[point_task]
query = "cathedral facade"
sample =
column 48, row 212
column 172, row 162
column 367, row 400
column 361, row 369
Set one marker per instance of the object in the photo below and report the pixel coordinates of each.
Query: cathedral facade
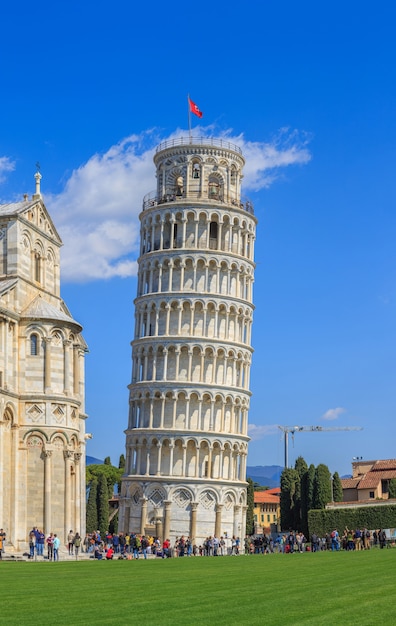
column 42, row 413
column 186, row 441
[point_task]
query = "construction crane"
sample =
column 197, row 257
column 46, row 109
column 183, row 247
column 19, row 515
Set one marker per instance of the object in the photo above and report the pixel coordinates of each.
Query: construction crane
column 308, row 429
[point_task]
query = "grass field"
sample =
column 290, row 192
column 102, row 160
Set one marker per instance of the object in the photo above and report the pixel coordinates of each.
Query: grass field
column 341, row 588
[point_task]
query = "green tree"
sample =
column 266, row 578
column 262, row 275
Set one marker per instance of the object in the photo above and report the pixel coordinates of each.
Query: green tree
column 307, row 483
column 92, row 507
column 121, row 466
column 301, row 468
column 107, row 461
column 392, row 488
column 289, row 480
column 310, row 486
column 337, row 488
column 103, row 505
column 112, row 474
column 321, row 487
column 250, row 507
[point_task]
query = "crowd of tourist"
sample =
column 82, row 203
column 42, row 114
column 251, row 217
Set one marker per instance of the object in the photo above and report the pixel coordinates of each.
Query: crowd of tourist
column 41, row 546
column 135, row 546
column 358, row 539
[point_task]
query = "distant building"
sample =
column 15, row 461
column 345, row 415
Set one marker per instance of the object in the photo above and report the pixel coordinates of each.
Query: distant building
column 266, row 510
column 42, row 414
column 370, row 481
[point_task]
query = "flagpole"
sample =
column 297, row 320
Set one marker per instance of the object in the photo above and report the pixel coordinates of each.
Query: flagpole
column 189, row 117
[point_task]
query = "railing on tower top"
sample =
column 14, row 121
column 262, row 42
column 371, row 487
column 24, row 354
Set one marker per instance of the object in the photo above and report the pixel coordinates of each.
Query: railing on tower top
column 202, row 141
column 151, row 200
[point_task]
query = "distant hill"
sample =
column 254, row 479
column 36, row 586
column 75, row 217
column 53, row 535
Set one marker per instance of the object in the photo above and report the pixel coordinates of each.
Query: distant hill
column 265, row 475
column 90, row 460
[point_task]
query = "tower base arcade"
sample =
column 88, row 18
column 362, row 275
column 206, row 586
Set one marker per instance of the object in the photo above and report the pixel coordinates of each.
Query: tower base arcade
column 195, row 510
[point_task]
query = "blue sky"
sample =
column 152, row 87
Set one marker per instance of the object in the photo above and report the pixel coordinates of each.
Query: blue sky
column 308, row 91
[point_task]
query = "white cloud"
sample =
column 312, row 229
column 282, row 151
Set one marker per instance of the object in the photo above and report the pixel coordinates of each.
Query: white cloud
column 333, row 414
column 256, row 432
column 97, row 212
column 6, row 165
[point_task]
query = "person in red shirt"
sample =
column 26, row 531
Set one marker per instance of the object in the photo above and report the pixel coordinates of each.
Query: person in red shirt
column 109, row 554
column 166, row 549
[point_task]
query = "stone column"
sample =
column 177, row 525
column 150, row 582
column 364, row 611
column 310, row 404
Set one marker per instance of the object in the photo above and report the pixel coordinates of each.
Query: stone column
column 193, row 520
column 77, row 515
column 167, row 516
column 237, row 510
column 217, row 531
column 76, row 371
column 66, row 366
column 143, row 515
column 17, row 473
column 47, row 365
column 159, row 457
column 47, row 491
column 68, row 455
column 243, row 529
column 2, row 428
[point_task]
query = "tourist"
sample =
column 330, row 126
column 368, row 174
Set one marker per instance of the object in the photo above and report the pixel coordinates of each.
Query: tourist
column 166, row 549
column 382, row 538
column 70, row 539
column 144, row 545
column 32, row 543
column 77, row 544
column 335, row 544
column 3, row 539
column 56, row 547
column 109, row 554
column 40, row 541
column 50, row 546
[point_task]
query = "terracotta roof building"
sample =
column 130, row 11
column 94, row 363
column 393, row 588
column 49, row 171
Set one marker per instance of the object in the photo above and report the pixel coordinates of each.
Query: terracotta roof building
column 370, row 480
column 266, row 510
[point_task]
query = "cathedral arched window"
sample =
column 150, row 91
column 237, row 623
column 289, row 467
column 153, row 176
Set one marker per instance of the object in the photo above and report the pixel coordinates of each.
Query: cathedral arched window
column 233, row 176
column 179, row 186
column 34, row 344
column 37, row 267
column 213, row 233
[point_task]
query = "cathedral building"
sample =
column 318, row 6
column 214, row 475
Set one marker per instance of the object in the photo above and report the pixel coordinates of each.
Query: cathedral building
column 42, row 414
column 186, row 441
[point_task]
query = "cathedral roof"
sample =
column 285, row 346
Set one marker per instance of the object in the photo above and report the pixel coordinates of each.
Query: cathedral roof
column 7, row 284
column 11, row 208
column 19, row 208
column 41, row 309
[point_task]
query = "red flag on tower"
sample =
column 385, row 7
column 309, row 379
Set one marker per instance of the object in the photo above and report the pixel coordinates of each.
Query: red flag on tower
column 194, row 108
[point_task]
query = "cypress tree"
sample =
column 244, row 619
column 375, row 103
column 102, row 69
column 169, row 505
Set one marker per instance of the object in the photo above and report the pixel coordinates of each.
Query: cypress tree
column 107, row 461
column 392, row 488
column 306, row 497
column 322, row 487
column 103, row 505
column 121, row 466
column 250, row 507
column 289, row 480
column 337, row 488
column 92, row 507
column 310, row 486
column 301, row 468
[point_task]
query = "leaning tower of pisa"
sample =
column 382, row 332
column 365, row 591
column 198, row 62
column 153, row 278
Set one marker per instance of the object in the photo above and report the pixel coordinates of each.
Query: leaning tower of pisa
column 186, row 441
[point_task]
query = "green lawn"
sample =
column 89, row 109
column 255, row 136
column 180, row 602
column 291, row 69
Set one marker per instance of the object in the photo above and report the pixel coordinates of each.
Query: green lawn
column 340, row 588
